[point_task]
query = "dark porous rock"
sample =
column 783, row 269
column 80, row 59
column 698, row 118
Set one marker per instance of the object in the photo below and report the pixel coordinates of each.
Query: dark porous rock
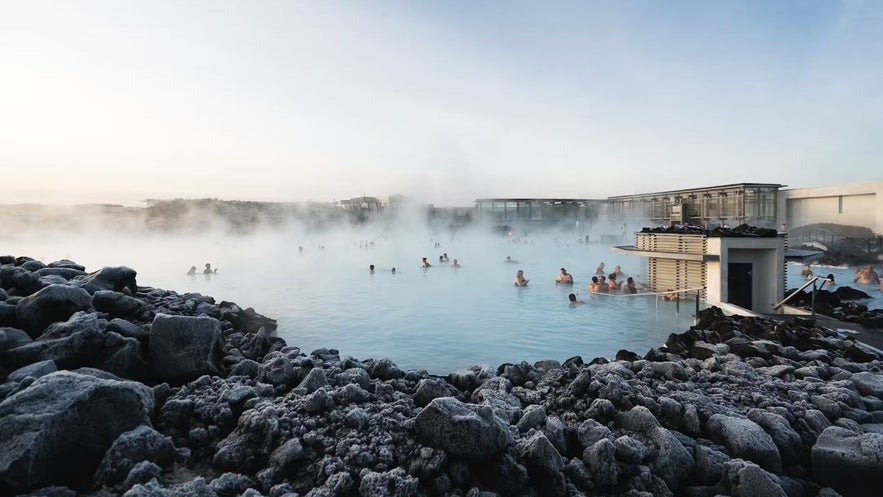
column 859, row 355
column 313, row 381
column 51, row 304
column 246, row 367
column 64, row 272
column 246, row 320
column 847, row 460
column 600, row 458
column 127, row 329
column 394, row 482
column 786, row 439
column 630, row 451
column 746, row 439
column 638, row 419
column 35, row 370
column 118, row 279
column 61, row 414
column 277, row 371
column 141, row 444
column 19, row 281
column 495, row 393
column 673, row 461
column 141, row 473
column 464, row 430
column 183, row 348
column 384, row 370
column 626, row 355
column 118, row 305
column 470, row 378
column 78, row 322
column 868, row 384
column 429, row 389
column 33, row 265
column 12, row 338
column 66, row 263
column 849, row 293
column 7, row 315
column 749, row 480
column 287, row 455
column 231, row 484
column 533, row 417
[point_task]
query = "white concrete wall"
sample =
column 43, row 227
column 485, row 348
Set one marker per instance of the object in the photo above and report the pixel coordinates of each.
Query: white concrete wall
column 767, row 256
column 862, row 206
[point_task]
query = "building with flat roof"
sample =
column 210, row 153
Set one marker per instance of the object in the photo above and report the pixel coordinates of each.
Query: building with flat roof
column 739, row 203
column 537, row 211
column 858, row 204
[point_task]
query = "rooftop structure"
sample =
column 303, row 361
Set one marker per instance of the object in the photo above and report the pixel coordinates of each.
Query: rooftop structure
column 739, row 203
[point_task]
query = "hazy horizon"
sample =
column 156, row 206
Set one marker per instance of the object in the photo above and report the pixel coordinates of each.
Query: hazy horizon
column 446, row 102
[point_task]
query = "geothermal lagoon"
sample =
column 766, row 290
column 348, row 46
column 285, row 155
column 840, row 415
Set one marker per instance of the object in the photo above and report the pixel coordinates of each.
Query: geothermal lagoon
column 439, row 319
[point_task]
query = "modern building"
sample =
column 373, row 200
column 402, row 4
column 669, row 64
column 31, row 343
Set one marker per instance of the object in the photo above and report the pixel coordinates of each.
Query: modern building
column 743, row 271
column 724, row 205
column 537, row 211
column 858, row 205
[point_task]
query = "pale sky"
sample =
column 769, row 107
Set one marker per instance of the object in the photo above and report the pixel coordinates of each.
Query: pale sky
column 446, row 101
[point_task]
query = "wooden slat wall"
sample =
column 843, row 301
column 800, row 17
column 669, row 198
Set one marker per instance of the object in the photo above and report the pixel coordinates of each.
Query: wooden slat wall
column 670, row 242
column 669, row 274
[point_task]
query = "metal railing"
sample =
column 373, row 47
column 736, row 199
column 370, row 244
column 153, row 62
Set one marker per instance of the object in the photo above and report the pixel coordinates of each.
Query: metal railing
column 812, row 281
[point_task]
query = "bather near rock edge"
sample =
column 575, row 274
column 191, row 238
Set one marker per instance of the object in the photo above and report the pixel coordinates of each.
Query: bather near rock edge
column 110, row 388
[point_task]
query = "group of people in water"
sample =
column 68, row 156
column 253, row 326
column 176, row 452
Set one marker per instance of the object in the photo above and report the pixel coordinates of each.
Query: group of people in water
column 600, row 283
column 863, row 276
column 208, row 270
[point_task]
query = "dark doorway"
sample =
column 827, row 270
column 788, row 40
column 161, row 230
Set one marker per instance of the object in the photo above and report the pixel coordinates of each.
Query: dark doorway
column 739, row 284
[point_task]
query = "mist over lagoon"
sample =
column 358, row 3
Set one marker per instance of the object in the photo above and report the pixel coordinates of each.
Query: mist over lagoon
column 439, row 319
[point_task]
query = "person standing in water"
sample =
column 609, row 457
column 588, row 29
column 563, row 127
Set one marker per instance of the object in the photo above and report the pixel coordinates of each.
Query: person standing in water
column 600, row 269
column 630, row 286
column 564, row 278
column 371, row 268
column 455, row 263
column 426, row 263
column 208, row 269
column 520, row 279
column 192, row 271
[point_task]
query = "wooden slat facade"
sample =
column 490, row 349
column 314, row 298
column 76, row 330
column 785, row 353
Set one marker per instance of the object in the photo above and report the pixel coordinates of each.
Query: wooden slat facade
column 670, row 274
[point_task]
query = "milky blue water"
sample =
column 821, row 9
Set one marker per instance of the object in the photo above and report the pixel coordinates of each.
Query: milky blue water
column 843, row 276
column 439, row 319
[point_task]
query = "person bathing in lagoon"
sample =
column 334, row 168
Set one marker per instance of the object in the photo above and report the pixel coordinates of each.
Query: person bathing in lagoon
column 599, row 270
column 425, row 263
column 393, row 270
column 806, row 272
column 371, row 268
column 613, row 285
column 520, row 280
column 208, row 269
column 671, row 296
column 593, row 286
column 441, row 259
column 510, row 260
column 630, row 286
column 829, row 280
column 564, row 278
column 445, row 257
column 573, row 301
column 192, row 271
column 455, row 263
column 867, row 276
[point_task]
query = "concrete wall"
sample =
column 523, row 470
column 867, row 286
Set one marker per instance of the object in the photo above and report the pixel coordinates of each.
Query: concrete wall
column 767, row 257
column 851, row 205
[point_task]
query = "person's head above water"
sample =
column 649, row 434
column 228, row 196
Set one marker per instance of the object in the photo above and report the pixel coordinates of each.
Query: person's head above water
column 371, row 267
column 572, row 297
column 393, row 270
column 508, row 258
column 594, row 279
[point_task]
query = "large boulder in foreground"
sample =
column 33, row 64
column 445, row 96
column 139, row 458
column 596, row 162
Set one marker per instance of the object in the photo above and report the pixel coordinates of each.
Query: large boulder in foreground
column 183, row 348
column 56, row 431
column 848, row 461
column 745, row 439
column 141, row 444
column 467, row 431
column 49, row 305
column 118, row 279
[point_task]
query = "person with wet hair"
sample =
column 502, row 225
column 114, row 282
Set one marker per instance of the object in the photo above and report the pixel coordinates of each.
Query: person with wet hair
column 630, row 286
column 599, row 270
column 192, row 271
column 829, row 280
column 426, row 263
column 371, row 268
column 208, row 269
column 520, row 280
column 564, row 278
column 573, row 300
column 455, row 263
column 594, row 285
column 603, row 286
column 613, row 285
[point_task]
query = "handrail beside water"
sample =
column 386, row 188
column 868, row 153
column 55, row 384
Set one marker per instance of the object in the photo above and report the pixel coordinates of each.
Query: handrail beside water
column 812, row 281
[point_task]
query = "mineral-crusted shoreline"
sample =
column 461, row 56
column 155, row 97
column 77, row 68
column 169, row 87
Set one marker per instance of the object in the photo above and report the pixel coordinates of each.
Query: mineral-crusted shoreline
column 111, row 388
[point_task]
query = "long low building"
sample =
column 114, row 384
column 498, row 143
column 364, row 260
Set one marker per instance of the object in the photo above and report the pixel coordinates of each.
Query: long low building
column 537, row 211
column 858, row 204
